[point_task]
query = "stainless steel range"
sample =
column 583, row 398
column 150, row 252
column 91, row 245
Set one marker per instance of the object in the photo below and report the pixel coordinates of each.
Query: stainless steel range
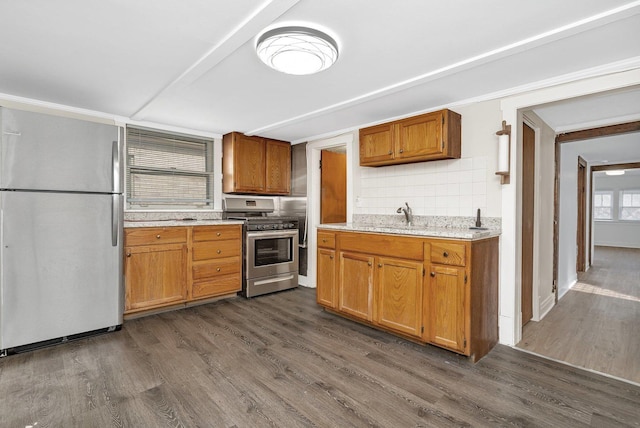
column 270, row 246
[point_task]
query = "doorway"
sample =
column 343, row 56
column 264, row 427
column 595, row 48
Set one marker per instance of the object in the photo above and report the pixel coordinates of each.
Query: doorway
column 333, row 185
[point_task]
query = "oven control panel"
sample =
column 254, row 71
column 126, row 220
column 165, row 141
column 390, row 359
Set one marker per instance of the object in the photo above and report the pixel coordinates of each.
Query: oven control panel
column 271, row 226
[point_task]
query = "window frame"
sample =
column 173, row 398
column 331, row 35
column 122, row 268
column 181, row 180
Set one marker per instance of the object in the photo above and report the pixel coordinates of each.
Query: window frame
column 610, row 193
column 167, row 138
column 621, row 206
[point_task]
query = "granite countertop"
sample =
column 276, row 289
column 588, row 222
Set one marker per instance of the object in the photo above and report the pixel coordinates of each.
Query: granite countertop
column 416, row 230
column 177, row 222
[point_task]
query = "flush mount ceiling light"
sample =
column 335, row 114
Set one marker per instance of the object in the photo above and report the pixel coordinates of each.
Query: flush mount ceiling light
column 297, row 50
column 615, row 172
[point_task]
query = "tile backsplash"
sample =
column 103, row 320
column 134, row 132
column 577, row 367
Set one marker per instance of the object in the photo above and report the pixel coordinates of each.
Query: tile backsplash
column 455, row 187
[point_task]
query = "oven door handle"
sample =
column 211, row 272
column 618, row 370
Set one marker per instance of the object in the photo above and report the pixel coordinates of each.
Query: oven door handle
column 272, row 234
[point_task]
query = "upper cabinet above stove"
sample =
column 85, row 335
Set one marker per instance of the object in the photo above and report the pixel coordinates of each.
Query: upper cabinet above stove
column 255, row 165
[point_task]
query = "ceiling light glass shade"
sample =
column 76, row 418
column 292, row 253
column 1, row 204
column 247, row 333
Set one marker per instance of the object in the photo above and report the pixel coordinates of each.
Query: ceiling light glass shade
column 297, row 50
column 615, row 172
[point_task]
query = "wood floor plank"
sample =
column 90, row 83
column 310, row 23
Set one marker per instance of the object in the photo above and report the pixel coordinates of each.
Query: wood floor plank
column 280, row 360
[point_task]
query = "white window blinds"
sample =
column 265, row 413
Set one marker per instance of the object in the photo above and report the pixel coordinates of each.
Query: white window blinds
column 168, row 170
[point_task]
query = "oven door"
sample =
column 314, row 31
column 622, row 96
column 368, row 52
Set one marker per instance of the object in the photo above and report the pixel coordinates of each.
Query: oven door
column 271, row 253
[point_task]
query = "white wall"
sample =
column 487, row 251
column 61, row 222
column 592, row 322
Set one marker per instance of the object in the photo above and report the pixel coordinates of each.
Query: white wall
column 616, row 233
column 455, row 187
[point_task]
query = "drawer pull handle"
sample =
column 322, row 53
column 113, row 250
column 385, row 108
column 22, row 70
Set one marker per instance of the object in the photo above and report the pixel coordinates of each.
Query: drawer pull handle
column 433, row 274
column 157, row 236
column 218, row 270
column 445, row 254
column 324, row 240
column 218, row 234
column 219, row 251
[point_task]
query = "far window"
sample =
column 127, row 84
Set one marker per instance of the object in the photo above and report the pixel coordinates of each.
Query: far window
column 630, row 205
column 602, row 205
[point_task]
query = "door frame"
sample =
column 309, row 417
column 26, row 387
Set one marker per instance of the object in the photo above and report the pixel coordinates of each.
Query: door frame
column 581, row 229
column 535, row 214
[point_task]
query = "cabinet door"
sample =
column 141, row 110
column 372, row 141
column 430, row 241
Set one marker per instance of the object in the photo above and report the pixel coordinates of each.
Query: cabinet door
column 278, row 167
column 445, row 301
column 355, row 285
column 155, row 275
column 326, row 281
column 420, row 136
column 249, row 164
column 376, row 144
column 399, row 295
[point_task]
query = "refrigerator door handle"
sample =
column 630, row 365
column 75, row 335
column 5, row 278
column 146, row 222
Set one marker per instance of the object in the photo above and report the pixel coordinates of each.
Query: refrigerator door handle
column 115, row 219
column 115, row 163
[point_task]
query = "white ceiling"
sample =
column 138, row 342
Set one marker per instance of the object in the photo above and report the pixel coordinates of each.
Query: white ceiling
column 192, row 64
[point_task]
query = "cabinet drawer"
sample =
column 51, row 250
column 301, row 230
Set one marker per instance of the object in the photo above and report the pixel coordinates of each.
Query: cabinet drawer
column 225, row 284
column 216, row 233
column 448, row 253
column 216, row 249
column 217, row 267
column 156, row 235
column 326, row 240
column 382, row 245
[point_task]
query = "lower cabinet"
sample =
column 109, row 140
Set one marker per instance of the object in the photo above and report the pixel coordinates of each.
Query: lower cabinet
column 160, row 273
column 436, row 291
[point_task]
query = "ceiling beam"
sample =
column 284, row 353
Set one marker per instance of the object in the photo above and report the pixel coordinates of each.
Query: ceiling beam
column 603, row 131
column 245, row 31
column 631, row 165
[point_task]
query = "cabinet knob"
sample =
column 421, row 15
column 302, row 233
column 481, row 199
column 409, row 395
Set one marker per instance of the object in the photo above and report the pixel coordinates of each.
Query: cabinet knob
column 390, row 152
column 157, row 236
column 331, row 257
column 401, row 150
column 379, row 264
column 218, row 270
column 433, row 274
column 218, row 234
column 369, row 263
column 128, row 254
column 324, row 240
column 219, row 251
column 445, row 254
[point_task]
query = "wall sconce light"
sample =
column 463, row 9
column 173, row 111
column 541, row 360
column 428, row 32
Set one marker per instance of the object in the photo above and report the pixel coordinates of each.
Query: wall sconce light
column 504, row 152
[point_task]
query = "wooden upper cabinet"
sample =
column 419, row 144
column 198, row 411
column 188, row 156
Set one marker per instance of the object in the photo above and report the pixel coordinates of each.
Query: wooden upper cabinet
column 431, row 136
column 278, row 167
column 255, row 165
column 377, row 144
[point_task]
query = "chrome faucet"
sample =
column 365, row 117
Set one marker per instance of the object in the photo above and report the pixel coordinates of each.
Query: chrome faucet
column 407, row 213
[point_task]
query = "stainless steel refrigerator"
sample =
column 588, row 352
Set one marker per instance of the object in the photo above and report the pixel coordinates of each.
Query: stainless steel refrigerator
column 60, row 229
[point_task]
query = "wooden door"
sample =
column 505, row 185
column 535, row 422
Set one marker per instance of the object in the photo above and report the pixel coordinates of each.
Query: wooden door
column 355, row 285
column 278, row 176
column 326, row 281
column 155, row 275
column 399, row 295
column 377, row 144
column 420, row 136
column 333, row 187
column 445, row 318
column 582, row 216
column 528, row 191
column 250, row 162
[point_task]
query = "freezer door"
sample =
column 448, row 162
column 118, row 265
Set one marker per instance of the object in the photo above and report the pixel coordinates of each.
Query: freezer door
column 60, row 273
column 44, row 152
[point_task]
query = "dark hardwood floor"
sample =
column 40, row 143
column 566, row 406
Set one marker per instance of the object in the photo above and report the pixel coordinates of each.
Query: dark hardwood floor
column 280, row 361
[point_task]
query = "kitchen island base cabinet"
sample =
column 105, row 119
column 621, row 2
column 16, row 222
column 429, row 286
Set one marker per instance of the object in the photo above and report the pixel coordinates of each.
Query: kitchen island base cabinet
column 160, row 274
column 438, row 291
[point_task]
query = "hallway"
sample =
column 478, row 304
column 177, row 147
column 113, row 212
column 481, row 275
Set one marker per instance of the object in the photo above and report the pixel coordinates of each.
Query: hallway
column 595, row 325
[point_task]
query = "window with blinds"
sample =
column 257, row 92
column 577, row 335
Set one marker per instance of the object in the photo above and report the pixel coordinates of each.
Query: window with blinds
column 168, row 170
